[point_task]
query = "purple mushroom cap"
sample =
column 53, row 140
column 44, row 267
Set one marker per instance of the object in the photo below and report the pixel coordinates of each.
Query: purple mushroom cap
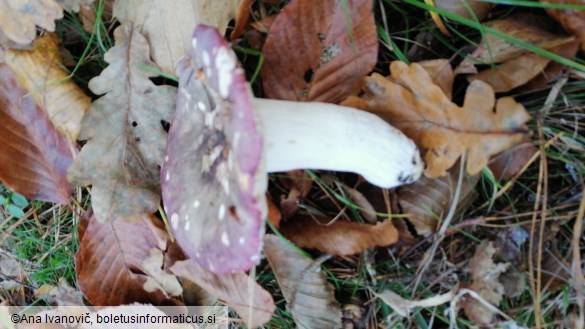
column 212, row 178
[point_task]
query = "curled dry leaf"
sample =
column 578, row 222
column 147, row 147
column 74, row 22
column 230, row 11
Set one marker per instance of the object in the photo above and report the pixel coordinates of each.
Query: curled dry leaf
column 475, row 9
column 314, row 52
column 18, row 19
column 310, row 298
column 338, row 238
column 508, row 163
column 168, row 25
column 110, row 262
column 34, row 156
column 428, row 200
column 485, row 281
column 517, row 66
column 572, row 20
column 252, row 303
column 40, row 71
column 411, row 102
column 124, row 134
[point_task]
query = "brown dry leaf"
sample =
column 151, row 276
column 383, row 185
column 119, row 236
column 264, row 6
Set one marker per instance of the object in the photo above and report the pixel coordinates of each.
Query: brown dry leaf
column 476, row 9
column 338, row 238
column 314, row 53
column 485, row 281
column 40, row 71
column 238, row 290
column 110, row 261
column 34, row 157
column 87, row 14
column 428, row 200
column 62, row 294
column 18, row 19
column 508, row 163
column 411, row 102
column 124, row 134
column 572, row 20
column 309, row 297
column 157, row 278
column 526, row 28
column 441, row 72
column 168, row 25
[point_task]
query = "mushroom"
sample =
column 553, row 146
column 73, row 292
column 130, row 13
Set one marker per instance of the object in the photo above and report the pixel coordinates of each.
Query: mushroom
column 223, row 141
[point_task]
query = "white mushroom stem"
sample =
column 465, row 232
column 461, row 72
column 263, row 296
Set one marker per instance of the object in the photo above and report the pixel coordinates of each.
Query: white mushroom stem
column 332, row 137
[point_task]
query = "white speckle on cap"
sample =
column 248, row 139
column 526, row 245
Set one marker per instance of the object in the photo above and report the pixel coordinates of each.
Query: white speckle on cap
column 196, row 204
column 224, row 239
column 201, row 106
column 194, row 43
column 242, row 240
column 225, row 65
column 211, row 267
column 221, row 212
column 197, row 254
column 166, row 158
column 175, row 220
column 255, row 258
column 167, row 176
column 205, row 58
column 187, row 225
column 187, row 217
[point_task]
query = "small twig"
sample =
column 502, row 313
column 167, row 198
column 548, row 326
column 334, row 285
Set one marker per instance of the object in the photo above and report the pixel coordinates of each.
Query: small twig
column 576, row 263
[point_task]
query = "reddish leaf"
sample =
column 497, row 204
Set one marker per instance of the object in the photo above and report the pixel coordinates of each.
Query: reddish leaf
column 314, row 52
column 236, row 289
column 110, row 261
column 338, row 238
column 507, row 164
column 34, row 157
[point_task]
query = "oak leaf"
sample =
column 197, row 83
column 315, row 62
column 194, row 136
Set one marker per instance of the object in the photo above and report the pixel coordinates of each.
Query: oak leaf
column 252, row 303
column 34, row 156
column 40, row 71
column 315, row 52
column 339, row 238
column 18, row 19
column 310, row 298
column 114, row 262
column 168, row 25
column 411, row 102
column 124, row 134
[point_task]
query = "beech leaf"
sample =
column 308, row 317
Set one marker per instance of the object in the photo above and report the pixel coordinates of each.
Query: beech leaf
column 338, row 238
column 114, row 263
column 40, row 71
column 124, row 134
column 411, row 102
column 168, row 25
column 18, row 19
column 252, row 303
column 572, row 20
column 310, row 298
column 315, row 52
column 34, row 157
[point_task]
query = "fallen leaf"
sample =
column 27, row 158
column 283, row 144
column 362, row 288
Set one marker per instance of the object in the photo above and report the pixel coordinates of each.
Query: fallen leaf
column 508, row 163
column 485, row 281
column 62, row 294
column 572, row 20
column 310, row 298
column 473, row 9
column 274, row 215
column 403, row 306
column 168, row 25
column 124, row 134
column 34, row 157
column 429, row 200
column 411, row 102
column 18, row 19
column 252, row 303
column 157, row 279
column 338, row 238
column 299, row 185
column 40, row 71
column 110, row 261
column 526, row 28
column 315, row 52
column 441, row 73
